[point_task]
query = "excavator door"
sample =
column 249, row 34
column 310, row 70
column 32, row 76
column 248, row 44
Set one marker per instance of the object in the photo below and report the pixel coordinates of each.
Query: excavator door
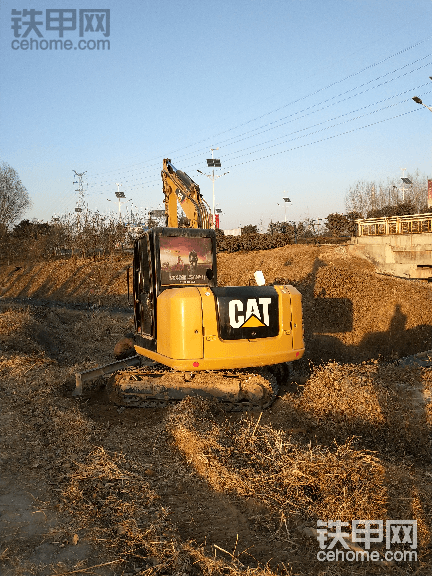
column 167, row 258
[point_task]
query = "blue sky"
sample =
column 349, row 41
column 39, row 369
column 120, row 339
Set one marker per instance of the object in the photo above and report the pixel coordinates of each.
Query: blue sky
column 274, row 85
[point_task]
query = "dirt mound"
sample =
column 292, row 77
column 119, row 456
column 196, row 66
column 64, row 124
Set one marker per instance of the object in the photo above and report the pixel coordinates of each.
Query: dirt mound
column 62, row 335
column 350, row 312
column 82, row 280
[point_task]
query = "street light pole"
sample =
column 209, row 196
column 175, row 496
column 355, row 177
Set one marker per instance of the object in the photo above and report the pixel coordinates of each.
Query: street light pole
column 213, row 162
column 418, row 100
column 286, row 200
column 213, row 181
column 120, row 195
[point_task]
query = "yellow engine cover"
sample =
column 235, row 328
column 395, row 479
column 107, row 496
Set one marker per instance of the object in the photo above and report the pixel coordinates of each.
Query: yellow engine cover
column 179, row 324
column 188, row 335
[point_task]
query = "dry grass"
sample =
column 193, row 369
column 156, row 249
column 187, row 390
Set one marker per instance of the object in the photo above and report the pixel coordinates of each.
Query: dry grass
column 291, row 478
column 384, row 405
column 352, row 442
column 114, row 504
column 80, row 280
column 102, row 492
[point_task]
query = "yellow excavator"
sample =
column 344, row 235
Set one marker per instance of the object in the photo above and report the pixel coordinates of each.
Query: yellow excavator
column 193, row 337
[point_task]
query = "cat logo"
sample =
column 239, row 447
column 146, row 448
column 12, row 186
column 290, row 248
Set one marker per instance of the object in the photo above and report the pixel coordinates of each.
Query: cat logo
column 254, row 315
column 247, row 312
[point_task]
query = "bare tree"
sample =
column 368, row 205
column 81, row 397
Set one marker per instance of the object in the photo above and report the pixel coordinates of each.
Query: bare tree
column 14, row 198
column 371, row 197
column 249, row 229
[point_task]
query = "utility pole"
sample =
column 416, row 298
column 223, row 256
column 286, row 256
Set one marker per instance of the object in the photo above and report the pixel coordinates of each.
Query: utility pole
column 418, row 100
column 294, row 225
column 392, row 189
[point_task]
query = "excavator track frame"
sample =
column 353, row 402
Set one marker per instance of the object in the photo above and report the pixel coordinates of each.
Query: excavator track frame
column 142, row 387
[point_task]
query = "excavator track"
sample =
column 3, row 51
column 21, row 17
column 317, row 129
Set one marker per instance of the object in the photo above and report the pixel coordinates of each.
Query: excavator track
column 157, row 386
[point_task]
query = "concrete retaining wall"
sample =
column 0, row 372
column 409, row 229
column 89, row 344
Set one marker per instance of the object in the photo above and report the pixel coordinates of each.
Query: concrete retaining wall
column 405, row 255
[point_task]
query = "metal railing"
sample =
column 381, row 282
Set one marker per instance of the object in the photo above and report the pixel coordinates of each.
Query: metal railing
column 409, row 224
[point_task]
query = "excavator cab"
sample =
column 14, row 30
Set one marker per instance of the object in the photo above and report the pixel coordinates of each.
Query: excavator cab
column 167, row 258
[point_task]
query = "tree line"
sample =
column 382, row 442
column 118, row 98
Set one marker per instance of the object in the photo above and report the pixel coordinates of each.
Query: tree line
column 92, row 234
column 390, row 198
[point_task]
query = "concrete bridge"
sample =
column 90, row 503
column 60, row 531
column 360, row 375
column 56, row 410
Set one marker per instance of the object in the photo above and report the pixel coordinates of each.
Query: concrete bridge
column 400, row 245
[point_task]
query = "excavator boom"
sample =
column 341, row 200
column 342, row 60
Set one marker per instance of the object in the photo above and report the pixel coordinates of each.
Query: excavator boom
column 180, row 189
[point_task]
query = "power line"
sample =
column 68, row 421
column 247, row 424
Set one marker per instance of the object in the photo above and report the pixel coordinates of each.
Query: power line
column 322, row 139
column 294, row 114
column 328, row 127
column 129, row 181
column 302, row 145
column 339, row 101
column 300, row 99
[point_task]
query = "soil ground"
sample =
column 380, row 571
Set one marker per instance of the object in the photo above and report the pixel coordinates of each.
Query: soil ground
column 90, row 488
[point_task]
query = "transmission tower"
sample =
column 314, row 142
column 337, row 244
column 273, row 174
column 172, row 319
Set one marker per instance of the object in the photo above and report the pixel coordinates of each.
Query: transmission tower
column 80, row 204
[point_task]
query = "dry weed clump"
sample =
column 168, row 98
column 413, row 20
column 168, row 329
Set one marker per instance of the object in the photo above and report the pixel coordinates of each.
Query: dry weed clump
column 111, row 500
column 427, row 382
column 14, row 325
column 294, row 480
column 371, row 402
